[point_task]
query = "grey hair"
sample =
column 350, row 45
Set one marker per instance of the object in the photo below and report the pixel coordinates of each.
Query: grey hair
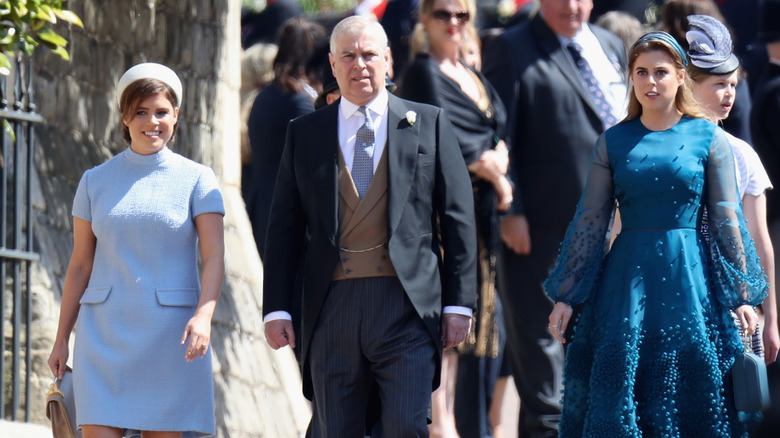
column 356, row 25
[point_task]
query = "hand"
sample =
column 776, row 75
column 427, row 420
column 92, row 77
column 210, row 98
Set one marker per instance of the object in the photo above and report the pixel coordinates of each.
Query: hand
column 559, row 320
column 58, row 359
column 503, row 193
column 515, row 234
column 279, row 333
column 454, row 329
column 490, row 165
column 771, row 343
column 198, row 330
column 747, row 318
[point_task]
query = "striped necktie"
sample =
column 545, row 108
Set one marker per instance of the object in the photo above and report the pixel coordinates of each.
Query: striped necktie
column 592, row 85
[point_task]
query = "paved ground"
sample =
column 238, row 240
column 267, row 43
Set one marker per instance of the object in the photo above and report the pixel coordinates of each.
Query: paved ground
column 9, row 429
column 510, row 411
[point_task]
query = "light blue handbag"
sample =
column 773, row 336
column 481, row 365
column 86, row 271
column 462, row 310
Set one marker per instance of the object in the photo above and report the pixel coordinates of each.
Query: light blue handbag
column 751, row 389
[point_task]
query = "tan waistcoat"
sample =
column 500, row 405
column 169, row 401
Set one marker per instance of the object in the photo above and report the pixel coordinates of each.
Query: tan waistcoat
column 363, row 226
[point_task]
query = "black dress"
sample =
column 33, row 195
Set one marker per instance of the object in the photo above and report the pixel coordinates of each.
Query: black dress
column 478, row 130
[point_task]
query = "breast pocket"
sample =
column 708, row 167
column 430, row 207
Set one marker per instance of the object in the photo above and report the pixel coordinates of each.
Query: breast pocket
column 177, row 297
column 95, row 295
column 422, row 190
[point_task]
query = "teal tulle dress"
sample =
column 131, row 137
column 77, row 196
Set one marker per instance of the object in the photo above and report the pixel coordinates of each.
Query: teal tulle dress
column 652, row 348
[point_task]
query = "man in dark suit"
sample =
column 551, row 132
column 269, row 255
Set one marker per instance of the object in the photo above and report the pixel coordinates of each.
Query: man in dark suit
column 377, row 277
column 764, row 125
column 553, row 124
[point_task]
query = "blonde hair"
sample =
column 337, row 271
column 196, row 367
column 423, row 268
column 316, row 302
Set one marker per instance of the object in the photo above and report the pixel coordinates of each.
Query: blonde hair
column 684, row 100
column 419, row 40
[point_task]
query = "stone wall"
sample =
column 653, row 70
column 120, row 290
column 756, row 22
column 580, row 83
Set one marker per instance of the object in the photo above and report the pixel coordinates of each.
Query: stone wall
column 257, row 390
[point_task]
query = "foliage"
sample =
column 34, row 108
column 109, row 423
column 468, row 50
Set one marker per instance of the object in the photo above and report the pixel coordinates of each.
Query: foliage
column 316, row 6
column 26, row 24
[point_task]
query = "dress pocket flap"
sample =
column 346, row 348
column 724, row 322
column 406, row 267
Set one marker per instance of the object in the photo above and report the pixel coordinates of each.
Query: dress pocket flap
column 95, row 295
column 177, row 297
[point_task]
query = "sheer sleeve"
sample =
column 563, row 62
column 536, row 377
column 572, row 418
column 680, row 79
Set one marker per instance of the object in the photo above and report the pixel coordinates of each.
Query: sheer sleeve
column 737, row 275
column 587, row 237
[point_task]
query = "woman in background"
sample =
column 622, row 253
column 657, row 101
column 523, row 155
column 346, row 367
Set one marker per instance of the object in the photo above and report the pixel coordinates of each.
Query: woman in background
column 288, row 96
column 439, row 77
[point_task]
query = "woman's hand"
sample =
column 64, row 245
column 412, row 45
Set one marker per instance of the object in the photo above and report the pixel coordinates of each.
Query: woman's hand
column 58, row 359
column 503, row 194
column 747, row 318
column 559, row 320
column 771, row 342
column 198, row 331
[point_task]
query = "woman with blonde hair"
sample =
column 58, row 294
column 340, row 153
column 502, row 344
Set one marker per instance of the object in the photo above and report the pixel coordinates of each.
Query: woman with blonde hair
column 439, row 76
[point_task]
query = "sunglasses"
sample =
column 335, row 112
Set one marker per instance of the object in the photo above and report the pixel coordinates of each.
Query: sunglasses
column 445, row 16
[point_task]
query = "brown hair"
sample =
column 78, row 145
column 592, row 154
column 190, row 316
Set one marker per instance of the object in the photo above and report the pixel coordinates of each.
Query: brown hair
column 684, row 100
column 136, row 93
column 697, row 75
column 296, row 41
column 675, row 17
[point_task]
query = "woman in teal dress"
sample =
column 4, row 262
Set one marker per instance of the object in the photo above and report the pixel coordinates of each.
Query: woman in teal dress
column 653, row 345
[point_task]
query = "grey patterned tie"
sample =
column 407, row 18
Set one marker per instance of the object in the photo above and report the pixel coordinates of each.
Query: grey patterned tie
column 592, row 85
column 363, row 162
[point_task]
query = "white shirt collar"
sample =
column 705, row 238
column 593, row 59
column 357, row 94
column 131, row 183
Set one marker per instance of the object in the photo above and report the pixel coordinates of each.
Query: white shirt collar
column 377, row 106
column 579, row 37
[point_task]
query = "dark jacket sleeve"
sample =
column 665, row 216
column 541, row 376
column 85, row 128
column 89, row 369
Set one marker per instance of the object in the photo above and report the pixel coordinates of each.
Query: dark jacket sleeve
column 285, row 237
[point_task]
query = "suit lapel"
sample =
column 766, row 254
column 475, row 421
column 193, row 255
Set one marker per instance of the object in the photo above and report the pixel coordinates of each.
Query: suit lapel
column 324, row 166
column 402, row 140
column 550, row 44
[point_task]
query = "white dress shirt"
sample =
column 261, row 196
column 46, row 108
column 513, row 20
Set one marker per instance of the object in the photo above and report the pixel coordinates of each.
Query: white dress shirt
column 607, row 72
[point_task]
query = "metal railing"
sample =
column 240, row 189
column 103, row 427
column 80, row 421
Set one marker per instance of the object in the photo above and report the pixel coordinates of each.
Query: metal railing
column 18, row 116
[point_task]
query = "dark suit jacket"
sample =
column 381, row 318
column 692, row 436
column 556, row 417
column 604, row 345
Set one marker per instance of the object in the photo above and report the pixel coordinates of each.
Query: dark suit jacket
column 271, row 111
column 552, row 123
column 427, row 178
column 764, row 125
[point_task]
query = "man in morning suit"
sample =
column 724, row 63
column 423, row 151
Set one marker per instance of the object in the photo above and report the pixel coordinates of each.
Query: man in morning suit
column 540, row 69
column 371, row 179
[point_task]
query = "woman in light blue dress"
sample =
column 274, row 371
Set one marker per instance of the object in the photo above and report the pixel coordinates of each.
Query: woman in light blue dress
column 653, row 345
column 143, row 316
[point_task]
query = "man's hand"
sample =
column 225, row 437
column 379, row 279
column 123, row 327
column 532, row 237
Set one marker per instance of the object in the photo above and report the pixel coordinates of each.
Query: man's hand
column 279, row 333
column 454, row 329
column 515, row 234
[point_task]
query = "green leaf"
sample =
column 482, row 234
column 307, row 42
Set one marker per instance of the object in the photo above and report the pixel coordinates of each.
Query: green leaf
column 50, row 36
column 9, row 130
column 5, row 64
column 69, row 16
column 46, row 13
column 62, row 51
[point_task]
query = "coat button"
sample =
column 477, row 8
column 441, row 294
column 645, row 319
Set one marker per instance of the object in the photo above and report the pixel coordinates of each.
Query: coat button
column 348, row 271
column 378, row 269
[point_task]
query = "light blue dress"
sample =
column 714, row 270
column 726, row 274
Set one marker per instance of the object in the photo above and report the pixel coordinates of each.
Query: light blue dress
column 129, row 366
column 653, row 346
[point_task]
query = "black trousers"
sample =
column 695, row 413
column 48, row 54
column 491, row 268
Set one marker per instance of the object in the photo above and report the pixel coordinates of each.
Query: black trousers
column 370, row 338
column 536, row 357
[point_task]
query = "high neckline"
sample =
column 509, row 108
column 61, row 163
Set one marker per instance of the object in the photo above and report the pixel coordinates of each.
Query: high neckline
column 147, row 160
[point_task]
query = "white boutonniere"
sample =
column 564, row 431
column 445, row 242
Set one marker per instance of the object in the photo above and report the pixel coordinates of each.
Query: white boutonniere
column 411, row 117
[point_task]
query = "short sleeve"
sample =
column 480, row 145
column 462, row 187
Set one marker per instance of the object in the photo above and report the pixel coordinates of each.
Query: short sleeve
column 206, row 197
column 82, row 203
column 752, row 178
column 738, row 276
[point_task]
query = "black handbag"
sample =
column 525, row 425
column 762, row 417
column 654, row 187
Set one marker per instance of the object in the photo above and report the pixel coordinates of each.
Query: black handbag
column 61, row 407
column 751, row 389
